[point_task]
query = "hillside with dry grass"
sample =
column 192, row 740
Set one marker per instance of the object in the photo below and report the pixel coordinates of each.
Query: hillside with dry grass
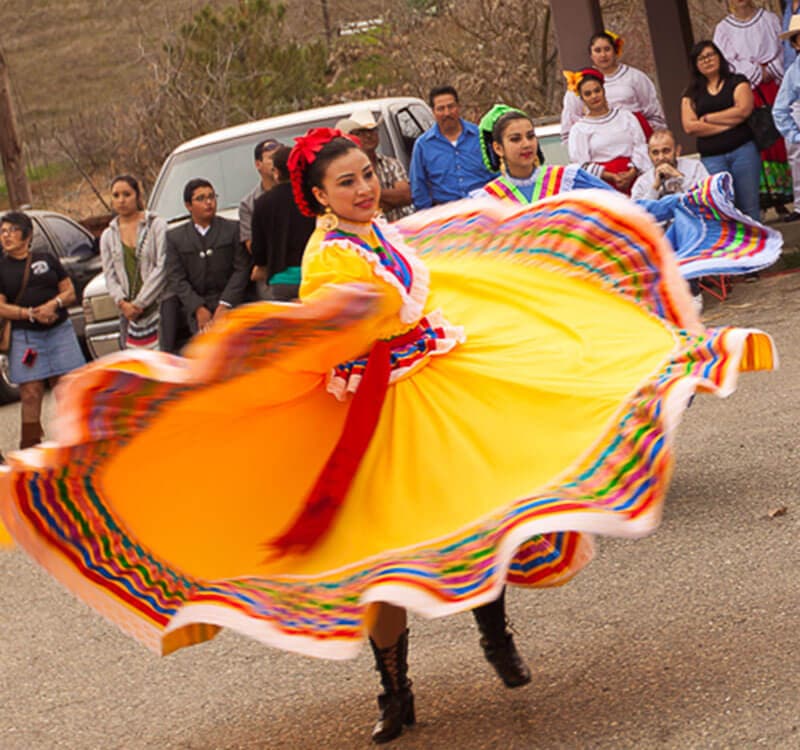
column 71, row 59
column 76, row 64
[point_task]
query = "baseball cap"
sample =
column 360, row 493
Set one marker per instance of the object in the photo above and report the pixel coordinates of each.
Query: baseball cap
column 268, row 145
column 359, row 119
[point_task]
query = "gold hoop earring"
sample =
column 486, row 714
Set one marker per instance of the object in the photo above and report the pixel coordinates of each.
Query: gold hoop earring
column 329, row 220
column 502, row 165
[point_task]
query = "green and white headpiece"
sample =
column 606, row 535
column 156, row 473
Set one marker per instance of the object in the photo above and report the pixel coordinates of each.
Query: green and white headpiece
column 490, row 159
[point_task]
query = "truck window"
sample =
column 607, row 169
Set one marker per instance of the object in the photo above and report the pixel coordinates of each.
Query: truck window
column 227, row 165
column 412, row 121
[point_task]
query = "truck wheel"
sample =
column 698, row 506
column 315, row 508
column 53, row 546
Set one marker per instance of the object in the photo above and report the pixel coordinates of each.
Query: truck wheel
column 8, row 391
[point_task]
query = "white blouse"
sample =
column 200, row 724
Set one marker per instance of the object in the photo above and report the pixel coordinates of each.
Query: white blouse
column 747, row 45
column 593, row 141
column 629, row 88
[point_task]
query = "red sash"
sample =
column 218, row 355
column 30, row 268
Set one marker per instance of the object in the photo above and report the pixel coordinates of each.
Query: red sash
column 325, row 499
column 647, row 128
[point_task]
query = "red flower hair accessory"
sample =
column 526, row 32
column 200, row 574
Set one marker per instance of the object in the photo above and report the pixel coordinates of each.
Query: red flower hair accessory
column 617, row 42
column 305, row 151
column 574, row 80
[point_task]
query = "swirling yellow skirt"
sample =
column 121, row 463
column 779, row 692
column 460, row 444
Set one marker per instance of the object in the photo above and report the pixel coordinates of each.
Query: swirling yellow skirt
column 496, row 462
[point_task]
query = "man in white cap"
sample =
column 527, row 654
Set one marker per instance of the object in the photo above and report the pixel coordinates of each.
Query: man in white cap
column 786, row 112
column 392, row 176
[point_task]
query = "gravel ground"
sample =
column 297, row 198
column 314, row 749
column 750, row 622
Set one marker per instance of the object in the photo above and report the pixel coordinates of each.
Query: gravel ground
column 687, row 639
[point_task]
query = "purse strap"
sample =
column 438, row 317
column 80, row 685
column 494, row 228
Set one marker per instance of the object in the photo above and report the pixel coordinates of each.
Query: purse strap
column 25, row 276
column 137, row 271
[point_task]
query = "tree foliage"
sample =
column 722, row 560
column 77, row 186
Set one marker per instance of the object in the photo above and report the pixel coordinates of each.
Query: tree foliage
column 224, row 67
column 251, row 59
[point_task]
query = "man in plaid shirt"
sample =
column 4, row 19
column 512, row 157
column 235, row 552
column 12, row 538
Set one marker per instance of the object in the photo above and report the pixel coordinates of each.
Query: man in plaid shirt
column 392, row 176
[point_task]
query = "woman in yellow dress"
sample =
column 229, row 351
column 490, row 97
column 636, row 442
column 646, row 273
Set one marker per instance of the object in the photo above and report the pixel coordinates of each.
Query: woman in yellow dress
column 426, row 426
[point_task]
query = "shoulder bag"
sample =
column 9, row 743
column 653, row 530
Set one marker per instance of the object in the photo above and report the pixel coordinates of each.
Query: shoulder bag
column 762, row 126
column 5, row 330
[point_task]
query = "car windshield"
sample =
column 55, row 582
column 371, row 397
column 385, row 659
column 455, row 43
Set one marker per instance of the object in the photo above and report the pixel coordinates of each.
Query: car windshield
column 228, row 166
column 554, row 150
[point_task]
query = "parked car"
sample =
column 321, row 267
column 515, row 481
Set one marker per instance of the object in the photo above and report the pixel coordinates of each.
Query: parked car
column 225, row 158
column 79, row 253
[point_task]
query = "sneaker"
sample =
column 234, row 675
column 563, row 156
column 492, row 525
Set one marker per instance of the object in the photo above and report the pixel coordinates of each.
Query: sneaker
column 791, row 217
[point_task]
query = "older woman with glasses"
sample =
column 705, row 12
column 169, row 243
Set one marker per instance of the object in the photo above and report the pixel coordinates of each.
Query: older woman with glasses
column 715, row 108
column 35, row 293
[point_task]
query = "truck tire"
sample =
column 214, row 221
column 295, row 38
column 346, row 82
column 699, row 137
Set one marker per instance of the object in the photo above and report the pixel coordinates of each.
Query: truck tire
column 8, row 391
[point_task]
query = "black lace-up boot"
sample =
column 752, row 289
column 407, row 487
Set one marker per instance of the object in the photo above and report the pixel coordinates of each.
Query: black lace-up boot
column 397, row 701
column 497, row 642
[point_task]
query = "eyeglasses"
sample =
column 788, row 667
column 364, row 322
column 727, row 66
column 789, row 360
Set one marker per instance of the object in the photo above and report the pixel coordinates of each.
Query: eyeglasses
column 11, row 230
column 209, row 198
column 707, row 57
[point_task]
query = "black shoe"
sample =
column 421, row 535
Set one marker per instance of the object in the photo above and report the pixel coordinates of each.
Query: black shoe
column 397, row 711
column 791, row 217
column 498, row 643
column 502, row 654
column 397, row 701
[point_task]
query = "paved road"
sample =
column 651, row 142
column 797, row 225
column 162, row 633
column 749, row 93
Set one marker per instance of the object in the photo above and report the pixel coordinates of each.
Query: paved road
column 687, row 639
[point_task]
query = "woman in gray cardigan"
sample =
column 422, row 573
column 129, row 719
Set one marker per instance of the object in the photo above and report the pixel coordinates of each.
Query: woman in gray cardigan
column 133, row 252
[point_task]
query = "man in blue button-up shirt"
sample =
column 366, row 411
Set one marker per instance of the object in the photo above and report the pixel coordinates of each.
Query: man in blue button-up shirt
column 446, row 163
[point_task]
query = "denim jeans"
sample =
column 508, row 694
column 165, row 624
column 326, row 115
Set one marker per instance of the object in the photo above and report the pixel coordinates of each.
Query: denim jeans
column 744, row 164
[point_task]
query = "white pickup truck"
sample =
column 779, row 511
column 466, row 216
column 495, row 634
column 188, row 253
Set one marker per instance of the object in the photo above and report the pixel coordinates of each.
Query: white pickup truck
column 225, row 158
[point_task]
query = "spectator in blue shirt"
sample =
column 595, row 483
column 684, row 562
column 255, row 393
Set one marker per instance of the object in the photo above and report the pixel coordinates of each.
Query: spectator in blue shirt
column 790, row 8
column 446, row 163
column 786, row 112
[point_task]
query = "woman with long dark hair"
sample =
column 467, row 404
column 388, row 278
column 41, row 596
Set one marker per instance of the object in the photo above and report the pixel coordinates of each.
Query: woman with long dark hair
column 748, row 39
column 133, row 251
column 715, row 108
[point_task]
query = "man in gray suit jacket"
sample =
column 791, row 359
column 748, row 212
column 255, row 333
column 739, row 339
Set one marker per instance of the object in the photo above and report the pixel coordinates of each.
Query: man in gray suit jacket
column 207, row 266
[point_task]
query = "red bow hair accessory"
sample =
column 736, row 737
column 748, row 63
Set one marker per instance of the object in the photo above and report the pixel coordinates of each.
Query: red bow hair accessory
column 305, row 151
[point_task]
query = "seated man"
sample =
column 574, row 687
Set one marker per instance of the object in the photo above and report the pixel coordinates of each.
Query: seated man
column 670, row 173
column 207, row 266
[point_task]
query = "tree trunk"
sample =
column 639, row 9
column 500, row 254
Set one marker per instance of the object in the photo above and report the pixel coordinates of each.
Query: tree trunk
column 326, row 22
column 19, row 191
